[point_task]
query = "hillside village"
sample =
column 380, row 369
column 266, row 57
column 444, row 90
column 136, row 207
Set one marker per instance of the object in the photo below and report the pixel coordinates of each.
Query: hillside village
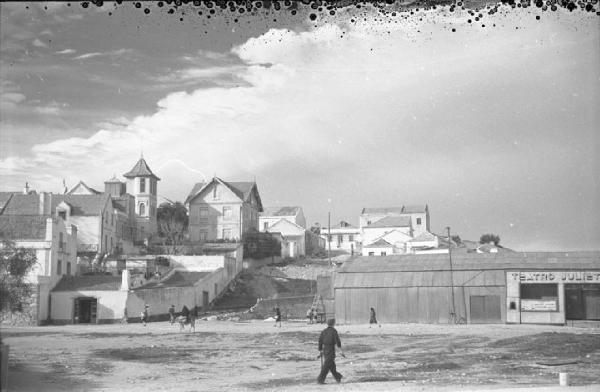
column 101, row 259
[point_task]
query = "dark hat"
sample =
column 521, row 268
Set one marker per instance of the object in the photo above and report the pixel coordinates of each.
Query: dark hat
column 331, row 322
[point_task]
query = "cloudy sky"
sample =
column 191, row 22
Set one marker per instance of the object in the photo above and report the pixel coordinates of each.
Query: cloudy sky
column 494, row 125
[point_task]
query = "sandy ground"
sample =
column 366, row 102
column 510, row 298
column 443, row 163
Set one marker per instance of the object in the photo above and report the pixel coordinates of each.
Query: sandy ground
column 256, row 356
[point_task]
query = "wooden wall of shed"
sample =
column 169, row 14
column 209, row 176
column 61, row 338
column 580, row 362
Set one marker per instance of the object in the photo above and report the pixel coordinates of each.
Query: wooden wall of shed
column 430, row 305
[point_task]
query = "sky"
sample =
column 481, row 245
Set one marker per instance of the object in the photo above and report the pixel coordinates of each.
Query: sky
column 493, row 123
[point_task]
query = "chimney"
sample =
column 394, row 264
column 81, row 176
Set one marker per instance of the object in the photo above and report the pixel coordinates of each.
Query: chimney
column 26, row 189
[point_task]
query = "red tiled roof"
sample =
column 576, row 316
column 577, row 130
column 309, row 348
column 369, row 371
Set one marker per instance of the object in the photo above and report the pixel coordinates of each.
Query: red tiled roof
column 391, row 221
column 87, row 205
column 20, row 204
column 23, row 227
column 140, row 169
column 85, row 186
column 240, row 189
column 280, row 211
column 89, row 283
column 381, row 243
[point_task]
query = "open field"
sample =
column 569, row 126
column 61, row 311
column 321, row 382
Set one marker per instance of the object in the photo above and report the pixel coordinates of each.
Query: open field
column 240, row 356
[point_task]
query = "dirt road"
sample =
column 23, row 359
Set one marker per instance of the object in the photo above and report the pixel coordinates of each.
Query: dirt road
column 240, row 356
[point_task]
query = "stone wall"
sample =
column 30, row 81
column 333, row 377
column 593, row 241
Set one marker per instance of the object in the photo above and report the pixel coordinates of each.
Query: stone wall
column 290, row 307
column 29, row 313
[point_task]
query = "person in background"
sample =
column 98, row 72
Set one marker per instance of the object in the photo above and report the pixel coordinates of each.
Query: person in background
column 277, row 317
column 373, row 319
column 328, row 339
column 185, row 312
column 144, row 314
column 172, row 314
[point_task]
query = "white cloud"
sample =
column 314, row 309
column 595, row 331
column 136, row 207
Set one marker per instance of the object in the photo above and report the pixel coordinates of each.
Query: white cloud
column 66, row 51
column 389, row 115
column 39, row 44
column 114, row 53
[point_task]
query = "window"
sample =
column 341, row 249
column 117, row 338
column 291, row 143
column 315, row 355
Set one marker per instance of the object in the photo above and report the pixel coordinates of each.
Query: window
column 371, row 253
column 61, row 244
column 329, row 238
column 215, row 193
column 418, row 221
column 368, row 222
column 383, row 253
column 142, row 185
column 153, row 186
column 69, row 268
column 142, row 209
column 59, row 267
column 227, row 213
column 265, row 226
column 539, row 291
column 227, row 234
column 112, row 219
column 350, row 238
column 111, row 244
column 340, row 239
column 62, row 214
column 202, row 236
column 539, row 297
column 203, row 212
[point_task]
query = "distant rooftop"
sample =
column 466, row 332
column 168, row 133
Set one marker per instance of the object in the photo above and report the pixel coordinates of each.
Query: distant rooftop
column 408, row 209
column 391, row 221
column 280, row 211
column 89, row 283
column 23, row 227
column 177, row 279
column 141, row 169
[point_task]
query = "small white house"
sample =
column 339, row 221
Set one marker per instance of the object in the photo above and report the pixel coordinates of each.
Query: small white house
column 293, row 237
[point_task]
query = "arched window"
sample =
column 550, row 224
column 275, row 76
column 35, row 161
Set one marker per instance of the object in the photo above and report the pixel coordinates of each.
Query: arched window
column 142, row 209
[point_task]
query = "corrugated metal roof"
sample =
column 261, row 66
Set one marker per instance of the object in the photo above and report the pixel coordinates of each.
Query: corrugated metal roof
column 420, row 279
column 474, row 261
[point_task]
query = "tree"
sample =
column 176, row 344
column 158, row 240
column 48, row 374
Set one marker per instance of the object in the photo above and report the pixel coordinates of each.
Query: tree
column 316, row 228
column 487, row 238
column 172, row 221
column 15, row 264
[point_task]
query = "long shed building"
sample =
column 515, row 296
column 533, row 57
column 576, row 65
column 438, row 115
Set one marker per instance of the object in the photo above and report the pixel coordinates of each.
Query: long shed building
column 519, row 287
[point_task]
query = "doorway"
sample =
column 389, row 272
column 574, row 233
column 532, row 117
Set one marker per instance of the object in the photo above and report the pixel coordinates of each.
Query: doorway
column 85, row 310
column 485, row 309
column 582, row 301
column 204, row 301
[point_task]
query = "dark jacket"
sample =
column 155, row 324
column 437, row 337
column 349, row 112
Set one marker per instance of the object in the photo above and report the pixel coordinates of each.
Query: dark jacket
column 328, row 340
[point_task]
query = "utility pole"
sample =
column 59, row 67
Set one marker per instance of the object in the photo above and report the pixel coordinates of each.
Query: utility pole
column 451, row 272
column 329, row 236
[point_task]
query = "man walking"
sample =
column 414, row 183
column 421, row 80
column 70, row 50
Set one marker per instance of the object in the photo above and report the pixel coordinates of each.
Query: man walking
column 327, row 341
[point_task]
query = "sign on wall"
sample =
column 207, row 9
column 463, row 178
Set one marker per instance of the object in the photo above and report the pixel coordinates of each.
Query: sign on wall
column 539, row 305
column 556, row 276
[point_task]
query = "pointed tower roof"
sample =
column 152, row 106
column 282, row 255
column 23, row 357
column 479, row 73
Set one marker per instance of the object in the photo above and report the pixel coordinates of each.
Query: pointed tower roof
column 141, row 169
